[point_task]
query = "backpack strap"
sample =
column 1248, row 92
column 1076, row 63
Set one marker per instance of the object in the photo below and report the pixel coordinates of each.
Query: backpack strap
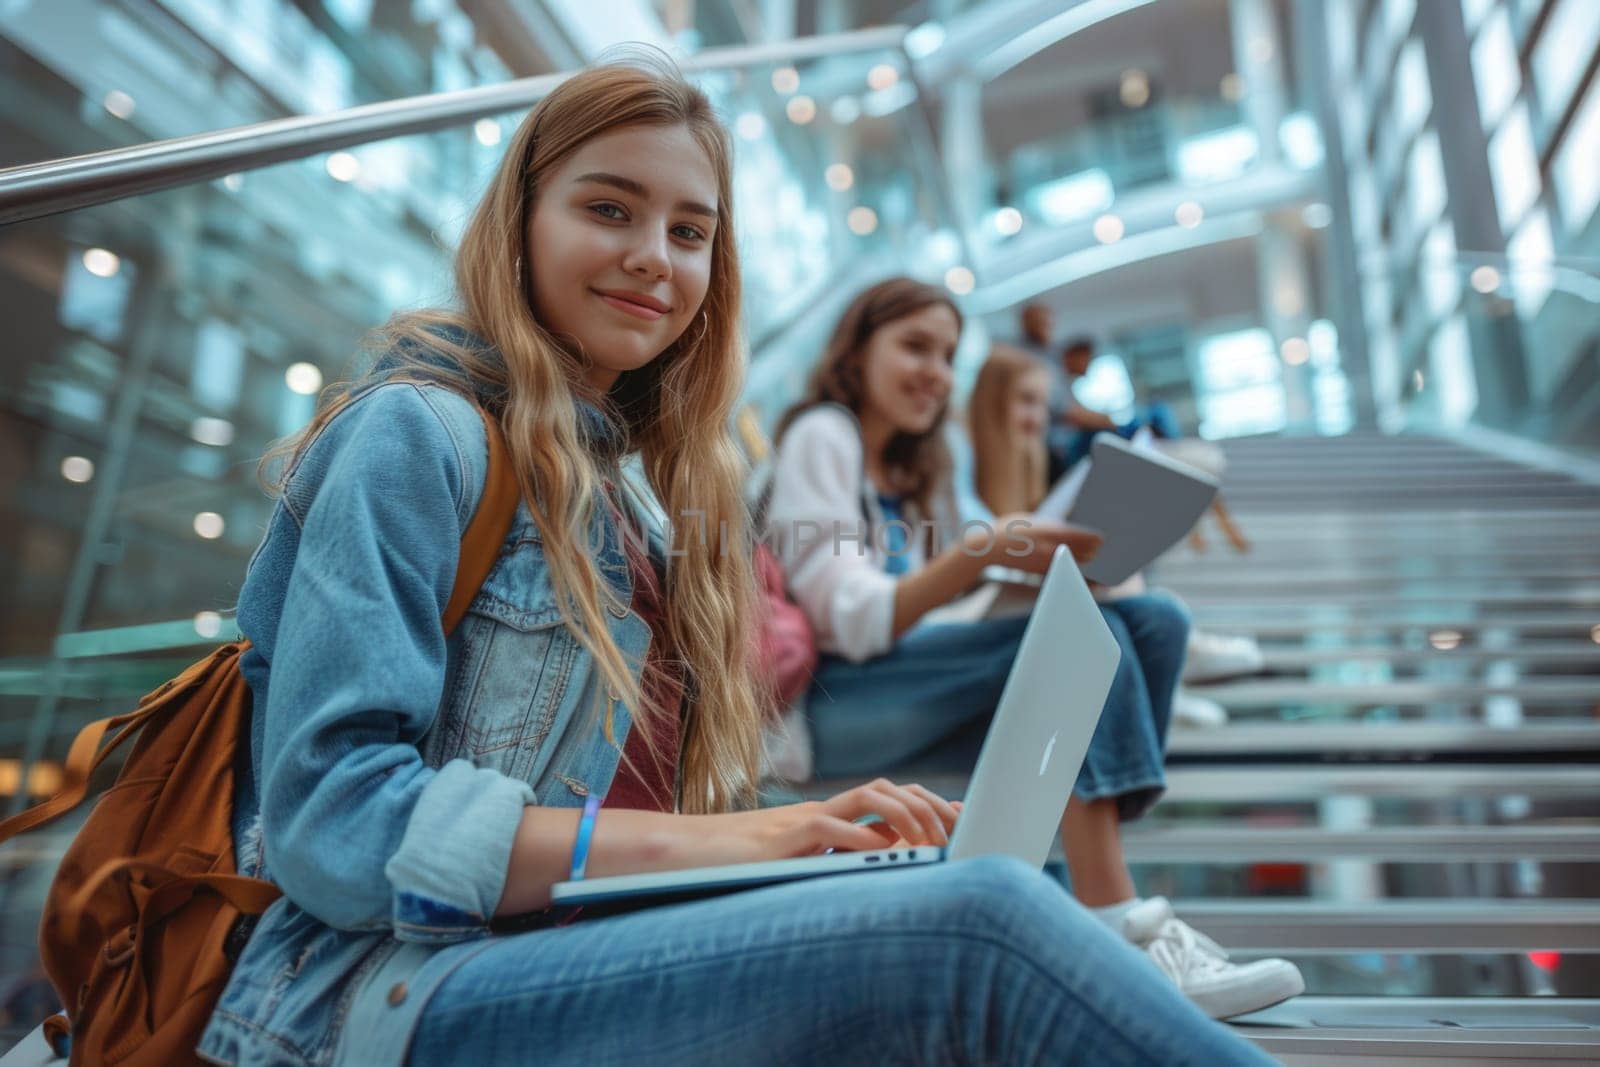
column 480, row 545
column 81, row 761
column 165, row 892
column 88, row 753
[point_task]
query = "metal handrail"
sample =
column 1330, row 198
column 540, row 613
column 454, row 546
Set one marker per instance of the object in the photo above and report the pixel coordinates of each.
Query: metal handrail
column 39, row 189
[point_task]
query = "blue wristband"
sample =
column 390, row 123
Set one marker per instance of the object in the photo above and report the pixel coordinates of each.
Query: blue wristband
column 580, row 848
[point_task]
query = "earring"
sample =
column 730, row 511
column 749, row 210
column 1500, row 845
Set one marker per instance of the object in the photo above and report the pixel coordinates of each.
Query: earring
column 705, row 324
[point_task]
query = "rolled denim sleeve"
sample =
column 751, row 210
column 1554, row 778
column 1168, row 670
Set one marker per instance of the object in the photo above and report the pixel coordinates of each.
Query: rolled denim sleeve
column 358, row 830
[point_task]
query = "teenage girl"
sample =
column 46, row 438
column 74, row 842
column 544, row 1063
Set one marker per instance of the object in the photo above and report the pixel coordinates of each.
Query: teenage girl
column 865, row 453
column 415, row 794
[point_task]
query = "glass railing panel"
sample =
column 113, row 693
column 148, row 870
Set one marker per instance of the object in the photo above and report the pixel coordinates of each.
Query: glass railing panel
column 169, row 339
column 1500, row 341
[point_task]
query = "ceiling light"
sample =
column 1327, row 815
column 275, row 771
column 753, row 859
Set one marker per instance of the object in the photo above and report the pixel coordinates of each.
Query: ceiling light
column 487, row 131
column 101, row 263
column 209, row 524
column 1485, row 279
column 119, row 104
column 785, row 80
column 212, row 431
column 839, row 177
column 1008, row 220
column 1108, row 229
column 882, row 76
column 1445, row 640
column 801, row 109
column 959, row 280
column 861, row 220
column 1296, row 351
column 924, row 40
column 1316, row 215
column 303, row 378
column 207, row 624
column 1189, row 214
column 343, row 167
column 1135, row 88
column 80, row 469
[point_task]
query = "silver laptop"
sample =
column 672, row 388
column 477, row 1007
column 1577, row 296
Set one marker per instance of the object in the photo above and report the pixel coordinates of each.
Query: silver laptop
column 1018, row 792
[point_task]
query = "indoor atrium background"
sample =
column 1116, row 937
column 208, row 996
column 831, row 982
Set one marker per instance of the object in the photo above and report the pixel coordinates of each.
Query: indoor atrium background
column 1354, row 241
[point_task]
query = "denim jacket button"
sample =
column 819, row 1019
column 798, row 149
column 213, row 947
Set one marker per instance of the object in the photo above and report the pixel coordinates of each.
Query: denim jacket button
column 397, row 994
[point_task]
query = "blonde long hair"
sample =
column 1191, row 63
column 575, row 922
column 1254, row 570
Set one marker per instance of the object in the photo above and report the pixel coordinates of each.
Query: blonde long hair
column 674, row 412
column 1012, row 468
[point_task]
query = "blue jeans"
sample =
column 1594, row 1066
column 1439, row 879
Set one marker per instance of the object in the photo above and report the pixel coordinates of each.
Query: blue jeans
column 933, row 694
column 981, row 961
column 1072, row 445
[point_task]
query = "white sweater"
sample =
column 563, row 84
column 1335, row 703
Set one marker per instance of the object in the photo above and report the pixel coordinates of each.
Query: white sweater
column 823, row 514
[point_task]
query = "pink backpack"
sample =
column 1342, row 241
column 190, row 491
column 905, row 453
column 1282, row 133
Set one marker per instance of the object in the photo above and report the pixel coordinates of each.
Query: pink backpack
column 788, row 647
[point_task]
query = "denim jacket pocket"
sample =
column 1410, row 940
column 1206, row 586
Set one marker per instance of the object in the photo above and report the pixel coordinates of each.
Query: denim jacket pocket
column 514, row 660
column 518, row 591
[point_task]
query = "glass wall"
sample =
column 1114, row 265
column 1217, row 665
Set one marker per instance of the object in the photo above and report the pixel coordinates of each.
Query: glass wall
column 1479, row 289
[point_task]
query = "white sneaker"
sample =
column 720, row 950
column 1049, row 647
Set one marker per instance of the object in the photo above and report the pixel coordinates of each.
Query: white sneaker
column 1201, row 969
column 1213, row 657
column 1197, row 711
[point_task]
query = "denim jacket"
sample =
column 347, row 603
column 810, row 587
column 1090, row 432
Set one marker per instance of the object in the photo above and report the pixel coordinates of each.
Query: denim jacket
column 388, row 766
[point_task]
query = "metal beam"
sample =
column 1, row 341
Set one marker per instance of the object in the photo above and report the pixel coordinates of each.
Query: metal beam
column 48, row 188
column 1236, row 842
column 1236, row 784
column 1535, row 691
column 1426, row 1031
column 1435, row 927
column 1348, row 739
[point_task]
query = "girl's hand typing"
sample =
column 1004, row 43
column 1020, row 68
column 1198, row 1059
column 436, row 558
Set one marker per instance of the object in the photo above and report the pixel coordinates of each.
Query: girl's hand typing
column 909, row 814
column 633, row 842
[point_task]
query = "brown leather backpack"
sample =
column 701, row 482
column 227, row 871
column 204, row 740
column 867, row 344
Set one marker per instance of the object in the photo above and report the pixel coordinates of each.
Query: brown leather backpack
column 136, row 929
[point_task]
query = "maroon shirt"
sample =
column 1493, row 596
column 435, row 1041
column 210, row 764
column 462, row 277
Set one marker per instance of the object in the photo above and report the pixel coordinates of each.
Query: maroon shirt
column 643, row 783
